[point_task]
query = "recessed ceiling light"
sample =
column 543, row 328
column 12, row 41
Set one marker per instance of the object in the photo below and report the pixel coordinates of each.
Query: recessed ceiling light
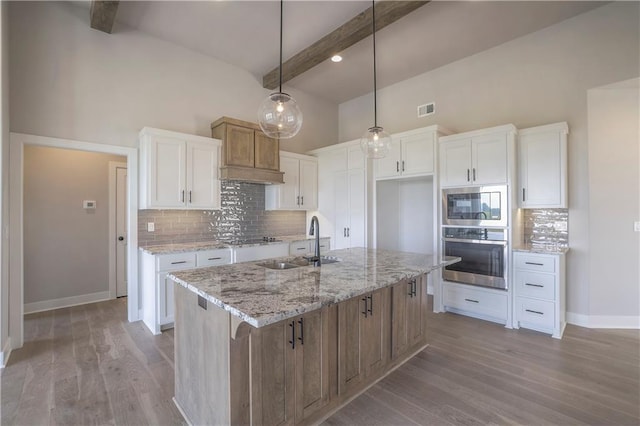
column 336, row 58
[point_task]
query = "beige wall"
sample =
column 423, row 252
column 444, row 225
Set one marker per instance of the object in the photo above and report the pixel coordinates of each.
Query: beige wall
column 4, row 174
column 536, row 79
column 614, row 199
column 73, row 82
column 65, row 246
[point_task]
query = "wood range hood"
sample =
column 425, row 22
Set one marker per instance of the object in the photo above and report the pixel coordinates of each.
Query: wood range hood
column 248, row 155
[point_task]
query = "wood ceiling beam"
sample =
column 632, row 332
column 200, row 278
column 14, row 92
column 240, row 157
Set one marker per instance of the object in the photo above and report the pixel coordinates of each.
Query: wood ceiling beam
column 358, row 28
column 103, row 15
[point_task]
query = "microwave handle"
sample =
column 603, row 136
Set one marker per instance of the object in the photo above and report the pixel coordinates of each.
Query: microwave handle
column 464, row 240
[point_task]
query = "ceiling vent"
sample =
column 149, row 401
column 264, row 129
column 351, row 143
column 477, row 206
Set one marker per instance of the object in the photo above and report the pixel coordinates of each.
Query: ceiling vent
column 426, row 109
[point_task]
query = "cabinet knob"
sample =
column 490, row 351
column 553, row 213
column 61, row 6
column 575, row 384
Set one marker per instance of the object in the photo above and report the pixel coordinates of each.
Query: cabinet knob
column 120, row 238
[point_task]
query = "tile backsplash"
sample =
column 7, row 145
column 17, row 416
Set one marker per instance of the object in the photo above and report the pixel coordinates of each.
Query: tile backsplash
column 546, row 227
column 242, row 216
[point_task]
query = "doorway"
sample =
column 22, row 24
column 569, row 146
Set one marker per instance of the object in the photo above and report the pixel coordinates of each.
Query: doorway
column 117, row 229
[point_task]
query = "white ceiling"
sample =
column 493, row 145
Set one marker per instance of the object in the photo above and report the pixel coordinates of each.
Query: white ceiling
column 246, row 34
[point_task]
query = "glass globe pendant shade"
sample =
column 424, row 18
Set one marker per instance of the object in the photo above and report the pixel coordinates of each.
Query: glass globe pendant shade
column 279, row 116
column 375, row 143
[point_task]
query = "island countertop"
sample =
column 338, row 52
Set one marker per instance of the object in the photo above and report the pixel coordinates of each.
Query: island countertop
column 262, row 296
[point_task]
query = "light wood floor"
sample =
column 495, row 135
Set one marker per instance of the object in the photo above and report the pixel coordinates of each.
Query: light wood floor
column 87, row 365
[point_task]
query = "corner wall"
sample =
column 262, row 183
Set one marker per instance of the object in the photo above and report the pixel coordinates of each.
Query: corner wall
column 537, row 79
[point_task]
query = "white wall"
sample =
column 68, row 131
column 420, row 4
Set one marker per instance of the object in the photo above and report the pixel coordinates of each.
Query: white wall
column 4, row 176
column 73, row 82
column 614, row 201
column 536, row 79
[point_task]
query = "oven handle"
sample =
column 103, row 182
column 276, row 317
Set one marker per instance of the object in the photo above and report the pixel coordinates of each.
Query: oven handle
column 463, row 240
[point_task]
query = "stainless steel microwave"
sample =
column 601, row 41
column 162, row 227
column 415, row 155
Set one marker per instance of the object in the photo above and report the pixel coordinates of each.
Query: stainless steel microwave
column 475, row 206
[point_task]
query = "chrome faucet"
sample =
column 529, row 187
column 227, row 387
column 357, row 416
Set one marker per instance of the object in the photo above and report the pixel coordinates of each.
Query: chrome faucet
column 315, row 230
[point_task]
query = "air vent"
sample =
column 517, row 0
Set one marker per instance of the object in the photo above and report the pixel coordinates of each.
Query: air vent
column 426, row 109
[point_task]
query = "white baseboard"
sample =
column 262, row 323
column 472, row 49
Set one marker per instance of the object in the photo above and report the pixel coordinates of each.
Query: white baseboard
column 65, row 302
column 603, row 321
column 6, row 352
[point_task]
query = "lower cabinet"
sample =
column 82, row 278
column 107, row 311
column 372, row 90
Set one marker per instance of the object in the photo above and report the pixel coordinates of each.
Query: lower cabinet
column 362, row 338
column 408, row 314
column 300, row 248
column 290, row 369
column 478, row 302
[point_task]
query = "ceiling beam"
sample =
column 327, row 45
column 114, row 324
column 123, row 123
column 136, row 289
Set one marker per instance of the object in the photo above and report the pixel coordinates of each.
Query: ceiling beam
column 358, row 28
column 103, row 15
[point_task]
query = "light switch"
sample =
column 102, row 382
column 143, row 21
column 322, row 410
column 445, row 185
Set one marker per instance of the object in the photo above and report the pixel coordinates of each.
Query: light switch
column 151, row 227
column 636, row 226
column 88, row 204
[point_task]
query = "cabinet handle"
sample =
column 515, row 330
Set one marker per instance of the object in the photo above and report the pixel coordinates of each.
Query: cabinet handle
column 178, row 263
column 370, row 305
column 523, row 194
column 301, row 338
column 468, row 177
column 348, row 232
column 364, row 299
column 301, row 248
column 292, row 324
column 415, row 287
column 214, row 258
column 474, row 174
column 302, row 200
column 533, row 285
column 397, row 166
column 298, row 200
column 344, row 232
column 471, row 300
column 534, row 263
column 182, row 196
column 410, row 288
column 403, row 165
column 534, row 312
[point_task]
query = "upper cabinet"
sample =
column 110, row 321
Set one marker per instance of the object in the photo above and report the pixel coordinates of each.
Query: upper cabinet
column 248, row 155
column 300, row 188
column 542, row 160
column 178, row 171
column 480, row 157
column 411, row 154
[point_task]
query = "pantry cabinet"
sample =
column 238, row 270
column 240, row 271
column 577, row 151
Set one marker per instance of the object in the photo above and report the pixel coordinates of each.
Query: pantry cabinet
column 481, row 157
column 178, row 171
column 542, row 161
column 300, row 188
column 411, row 154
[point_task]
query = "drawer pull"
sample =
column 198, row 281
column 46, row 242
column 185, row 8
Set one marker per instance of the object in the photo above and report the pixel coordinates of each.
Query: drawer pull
column 179, row 262
column 214, row 258
column 302, row 248
column 534, row 285
column 534, row 312
column 534, row 263
column 471, row 300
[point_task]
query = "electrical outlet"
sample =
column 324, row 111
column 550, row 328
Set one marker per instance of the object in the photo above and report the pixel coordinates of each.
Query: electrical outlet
column 151, row 227
column 636, row 226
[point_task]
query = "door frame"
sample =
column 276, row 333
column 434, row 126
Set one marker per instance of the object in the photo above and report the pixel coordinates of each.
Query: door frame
column 17, row 141
column 113, row 245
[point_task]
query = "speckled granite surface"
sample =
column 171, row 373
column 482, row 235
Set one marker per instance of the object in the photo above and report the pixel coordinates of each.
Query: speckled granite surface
column 551, row 249
column 296, row 238
column 262, row 296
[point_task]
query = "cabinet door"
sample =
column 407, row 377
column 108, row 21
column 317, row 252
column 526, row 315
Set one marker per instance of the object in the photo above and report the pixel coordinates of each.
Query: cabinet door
column 373, row 339
column 239, row 146
column 416, row 312
column 167, row 172
column 356, row 229
column 455, row 163
column 541, row 165
column 400, row 294
column 389, row 166
column 165, row 299
column 267, row 152
column 350, row 367
column 203, row 186
column 489, row 155
column 312, row 363
column 272, row 375
column 341, row 202
column 355, row 158
column 308, row 184
column 417, row 155
column 289, row 191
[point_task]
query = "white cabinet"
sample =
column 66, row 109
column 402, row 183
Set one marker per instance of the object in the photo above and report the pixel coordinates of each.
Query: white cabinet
column 542, row 160
column 157, row 288
column 540, row 292
column 178, row 171
column 478, row 302
column 301, row 248
column 411, row 154
column 259, row 252
column 480, row 157
column 300, row 188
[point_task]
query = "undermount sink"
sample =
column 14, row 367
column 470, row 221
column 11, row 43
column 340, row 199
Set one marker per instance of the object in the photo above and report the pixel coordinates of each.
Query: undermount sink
column 297, row 262
column 277, row 265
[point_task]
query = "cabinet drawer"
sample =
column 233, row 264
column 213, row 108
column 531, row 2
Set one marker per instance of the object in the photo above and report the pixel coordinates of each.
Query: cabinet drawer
column 535, row 284
column 213, row 257
column 478, row 301
column 536, row 314
column 325, row 245
column 299, row 247
column 535, row 262
column 175, row 262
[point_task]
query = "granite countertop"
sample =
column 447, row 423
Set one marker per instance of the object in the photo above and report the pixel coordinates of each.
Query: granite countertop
column 296, row 238
column 528, row 248
column 262, row 296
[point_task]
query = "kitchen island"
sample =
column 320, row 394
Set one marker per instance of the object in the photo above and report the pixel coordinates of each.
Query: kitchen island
column 255, row 345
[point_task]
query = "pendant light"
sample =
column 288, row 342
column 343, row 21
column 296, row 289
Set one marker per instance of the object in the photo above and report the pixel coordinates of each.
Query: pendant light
column 279, row 115
column 375, row 143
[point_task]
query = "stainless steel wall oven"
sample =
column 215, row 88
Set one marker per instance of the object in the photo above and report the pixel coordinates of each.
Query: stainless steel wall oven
column 475, row 206
column 484, row 256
